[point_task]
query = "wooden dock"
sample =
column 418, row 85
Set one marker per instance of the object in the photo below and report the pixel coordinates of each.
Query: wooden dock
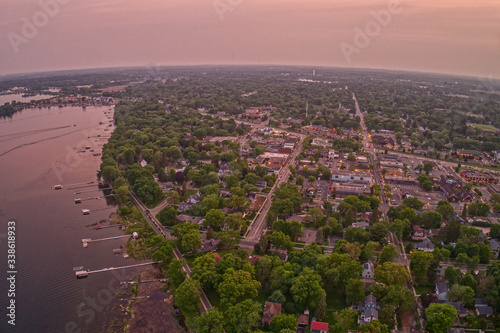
column 85, row 273
column 86, row 241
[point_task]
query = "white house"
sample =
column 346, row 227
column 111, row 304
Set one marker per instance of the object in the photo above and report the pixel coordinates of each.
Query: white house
column 442, row 290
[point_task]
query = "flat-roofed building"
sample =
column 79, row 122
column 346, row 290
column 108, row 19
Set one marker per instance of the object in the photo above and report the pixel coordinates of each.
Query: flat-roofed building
column 343, row 176
column 342, row 191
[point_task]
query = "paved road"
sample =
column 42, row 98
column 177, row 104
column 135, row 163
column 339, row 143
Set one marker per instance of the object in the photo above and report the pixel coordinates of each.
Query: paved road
column 368, row 147
column 259, row 225
column 161, row 230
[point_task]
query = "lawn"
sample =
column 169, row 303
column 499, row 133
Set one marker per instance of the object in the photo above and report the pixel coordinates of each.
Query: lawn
column 335, row 302
column 423, row 290
column 190, row 192
column 213, row 296
column 483, row 127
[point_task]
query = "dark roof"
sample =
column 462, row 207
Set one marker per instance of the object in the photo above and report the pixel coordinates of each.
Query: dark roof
column 271, row 309
column 442, row 287
column 484, row 310
column 370, row 299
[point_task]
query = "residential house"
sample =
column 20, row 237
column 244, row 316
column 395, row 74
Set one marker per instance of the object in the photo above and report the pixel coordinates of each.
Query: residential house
column 369, row 310
column 319, row 327
column 194, row 199
column 442, row 289
column 283, row 255
column 303, row 322
column 191, row 219
column 245, row 150
column 364, row 225
column 425, row 245
column 462, row 311
column 271, row 309
column 495, row 246
column 210, row 245
column 417, row 232
column 261, row 184
column 484, row 311
column 368, row 270
column 142, row 161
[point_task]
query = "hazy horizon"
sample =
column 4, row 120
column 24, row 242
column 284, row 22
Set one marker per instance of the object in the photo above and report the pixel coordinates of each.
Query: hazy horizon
column 450, row 37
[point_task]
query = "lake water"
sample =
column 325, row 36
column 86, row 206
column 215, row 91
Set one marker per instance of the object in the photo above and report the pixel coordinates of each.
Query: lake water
column 38, row 150
column 19, row 98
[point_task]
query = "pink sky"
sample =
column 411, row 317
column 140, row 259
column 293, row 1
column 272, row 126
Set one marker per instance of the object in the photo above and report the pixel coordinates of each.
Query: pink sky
column 457, row 37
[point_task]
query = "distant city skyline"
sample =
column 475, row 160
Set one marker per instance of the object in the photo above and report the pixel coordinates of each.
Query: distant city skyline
column 451, row 37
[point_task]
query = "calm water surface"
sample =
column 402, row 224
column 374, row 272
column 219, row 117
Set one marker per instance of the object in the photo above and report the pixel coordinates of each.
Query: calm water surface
column 38, row 150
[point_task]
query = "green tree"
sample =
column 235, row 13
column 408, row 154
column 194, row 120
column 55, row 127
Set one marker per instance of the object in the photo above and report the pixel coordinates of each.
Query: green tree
column 374, row 327
column 391, row 273
column 168, row 216
column 209, row 202
column 242, row 317
column 379, row 231
column 346, row 319
column 164, row 254
column 428, row 166
column 282, row 322
column 214, row 219
column 237, row 286
column 452, row 275
column 173, row 197
column 431, row 219
column 280, row 240
column 315, row 216
column 388, row 254
column 478, row 209
column 306, row 289
column 413, row 202
column 399, row 297
column 187, row 297
column 420, row 262
column 229, row 238
column 440, row 317
column 176, row 273
column 209, row 322
column 204, row 271
column 445, row 209
column 188, row 235
column 459, row 293
column 355, row 291
column 277, row 297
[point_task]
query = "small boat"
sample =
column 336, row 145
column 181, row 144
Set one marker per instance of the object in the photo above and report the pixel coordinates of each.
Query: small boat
column 85, row 211
column 97, row 227
column 81, row 274
column 58, row 187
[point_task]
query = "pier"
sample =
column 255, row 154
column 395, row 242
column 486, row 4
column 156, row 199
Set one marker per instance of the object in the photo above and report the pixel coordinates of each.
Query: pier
column 79, row 200
column 86, row 241
column 85, row 273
